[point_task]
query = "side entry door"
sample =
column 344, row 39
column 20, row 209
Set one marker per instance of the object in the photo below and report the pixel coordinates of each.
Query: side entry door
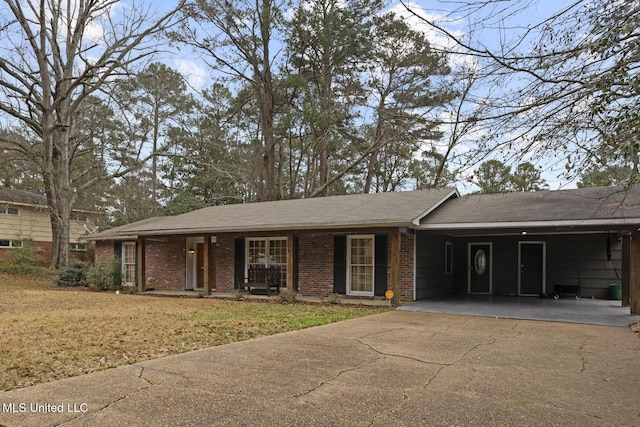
column 480, row 266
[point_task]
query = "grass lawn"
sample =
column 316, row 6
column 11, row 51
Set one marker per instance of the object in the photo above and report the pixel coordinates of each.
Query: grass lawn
column 49, row 333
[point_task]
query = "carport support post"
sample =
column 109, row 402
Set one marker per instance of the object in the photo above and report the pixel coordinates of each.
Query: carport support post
column 141, row 264
column 634, row 276
column 207, row 265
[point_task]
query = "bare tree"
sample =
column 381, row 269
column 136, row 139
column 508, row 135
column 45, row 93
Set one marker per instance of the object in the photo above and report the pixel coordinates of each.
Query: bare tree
column 568, row 81
column 55, row 54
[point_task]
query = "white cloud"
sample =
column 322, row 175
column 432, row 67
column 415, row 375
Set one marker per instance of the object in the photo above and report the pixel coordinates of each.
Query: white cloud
column 418, row 19
column 195, row 74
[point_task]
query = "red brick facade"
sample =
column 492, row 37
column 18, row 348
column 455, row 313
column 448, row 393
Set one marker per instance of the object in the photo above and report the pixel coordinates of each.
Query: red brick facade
column 315, row 265
column 166, row 263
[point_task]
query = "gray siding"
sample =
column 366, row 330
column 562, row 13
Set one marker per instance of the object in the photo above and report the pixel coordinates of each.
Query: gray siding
column 431, row 279
column 570, row 259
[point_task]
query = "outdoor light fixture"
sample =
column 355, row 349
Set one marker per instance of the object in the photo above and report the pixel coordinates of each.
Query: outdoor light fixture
column 192, row 251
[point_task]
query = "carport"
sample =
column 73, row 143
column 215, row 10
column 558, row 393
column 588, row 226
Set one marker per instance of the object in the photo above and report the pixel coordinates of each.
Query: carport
column 528, row 245
column 569, row 310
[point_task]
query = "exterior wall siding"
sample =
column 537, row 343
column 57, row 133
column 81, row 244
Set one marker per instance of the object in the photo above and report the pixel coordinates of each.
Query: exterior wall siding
column 431, row 279
column 570, row 259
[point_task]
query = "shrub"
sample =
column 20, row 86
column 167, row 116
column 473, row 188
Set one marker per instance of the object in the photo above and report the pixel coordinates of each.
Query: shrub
column 22, row 261
column 105, row 276
column 72, row 276
column 288, row 297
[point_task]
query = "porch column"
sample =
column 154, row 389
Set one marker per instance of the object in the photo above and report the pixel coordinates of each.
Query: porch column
column 206, row 273
column 634, row 277
column 395, row 267
column 290, row 262
column 142, row 277
column 626, row 269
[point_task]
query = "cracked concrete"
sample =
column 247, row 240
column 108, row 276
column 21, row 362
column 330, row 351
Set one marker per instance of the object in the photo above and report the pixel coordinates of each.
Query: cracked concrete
column 394, row 369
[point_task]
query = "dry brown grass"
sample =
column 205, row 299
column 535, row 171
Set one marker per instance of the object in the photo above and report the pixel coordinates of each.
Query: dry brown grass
column 50, row 333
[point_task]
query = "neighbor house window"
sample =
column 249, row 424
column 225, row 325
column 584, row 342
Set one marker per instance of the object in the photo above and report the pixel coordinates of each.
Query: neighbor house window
column 10, row 243
column 77, row 217
column 268, row 252
column 9, row 211
column 360, row 268
column 448, row 258
column 78, row 247
column 129, row 264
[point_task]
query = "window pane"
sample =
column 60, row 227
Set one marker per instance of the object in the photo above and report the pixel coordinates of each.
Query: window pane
column 361, row 264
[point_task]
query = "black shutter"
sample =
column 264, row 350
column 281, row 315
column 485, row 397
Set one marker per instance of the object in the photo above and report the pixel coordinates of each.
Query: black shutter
column 296, row 250
column 340, row 264
column 238, row 262
column 117, row 249
column 380, row 278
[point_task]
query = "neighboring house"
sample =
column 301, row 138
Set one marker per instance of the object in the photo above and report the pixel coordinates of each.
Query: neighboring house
column 419, row 244
column 24, row 220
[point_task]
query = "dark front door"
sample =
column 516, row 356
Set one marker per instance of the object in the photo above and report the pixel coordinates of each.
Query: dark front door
column 531, row 268
column 479, row 268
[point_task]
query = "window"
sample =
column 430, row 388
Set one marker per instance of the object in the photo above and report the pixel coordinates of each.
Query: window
column 129, row 264
column 360, row 268
column 77, row 217
column 78, row 247
column 5, row 243
column 9, row 211
column 268, row 252
column 448, row 258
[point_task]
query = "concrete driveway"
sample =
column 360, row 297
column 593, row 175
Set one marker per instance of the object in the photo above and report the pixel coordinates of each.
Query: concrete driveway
column 399, row 368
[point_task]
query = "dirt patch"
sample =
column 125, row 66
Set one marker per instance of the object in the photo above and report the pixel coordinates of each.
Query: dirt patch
column 635, row 327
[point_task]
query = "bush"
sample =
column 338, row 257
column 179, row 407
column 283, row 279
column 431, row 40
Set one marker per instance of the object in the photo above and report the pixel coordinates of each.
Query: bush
column 72, row 276
column 22, row 261
column 105, row 276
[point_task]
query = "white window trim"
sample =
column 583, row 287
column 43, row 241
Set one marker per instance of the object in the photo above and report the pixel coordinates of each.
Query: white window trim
column 373, row 265
column 12, row 245
column 448, row 258
column 4, row 210
column 124, row 262
column 267, row 246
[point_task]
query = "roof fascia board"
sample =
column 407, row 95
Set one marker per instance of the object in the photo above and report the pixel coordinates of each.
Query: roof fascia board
column 530, row 224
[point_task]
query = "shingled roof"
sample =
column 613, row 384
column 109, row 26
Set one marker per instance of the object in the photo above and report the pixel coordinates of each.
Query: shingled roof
column 396, row 209
column 21, row 197
column 595, row 206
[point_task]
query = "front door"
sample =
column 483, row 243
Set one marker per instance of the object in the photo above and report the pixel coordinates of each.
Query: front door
column 480, row 259
column 532, row 268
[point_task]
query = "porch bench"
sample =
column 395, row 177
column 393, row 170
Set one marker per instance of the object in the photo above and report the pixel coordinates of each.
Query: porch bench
column 263, row 278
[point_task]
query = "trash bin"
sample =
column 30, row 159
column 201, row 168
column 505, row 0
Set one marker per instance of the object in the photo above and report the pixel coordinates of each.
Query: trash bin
column 616, row 292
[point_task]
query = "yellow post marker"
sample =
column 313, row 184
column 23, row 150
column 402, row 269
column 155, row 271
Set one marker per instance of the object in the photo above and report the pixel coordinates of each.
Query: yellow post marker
column 389, row 295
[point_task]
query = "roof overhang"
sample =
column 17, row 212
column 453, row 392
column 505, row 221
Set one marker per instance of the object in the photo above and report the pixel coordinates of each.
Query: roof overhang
column 402, row 226
column 535, row 227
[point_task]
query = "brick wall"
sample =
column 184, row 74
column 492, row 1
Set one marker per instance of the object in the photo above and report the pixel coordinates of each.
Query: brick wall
column 315, row 265
column 406, row 267
column 104, row 252
column 166, row 264
column 225, row 263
